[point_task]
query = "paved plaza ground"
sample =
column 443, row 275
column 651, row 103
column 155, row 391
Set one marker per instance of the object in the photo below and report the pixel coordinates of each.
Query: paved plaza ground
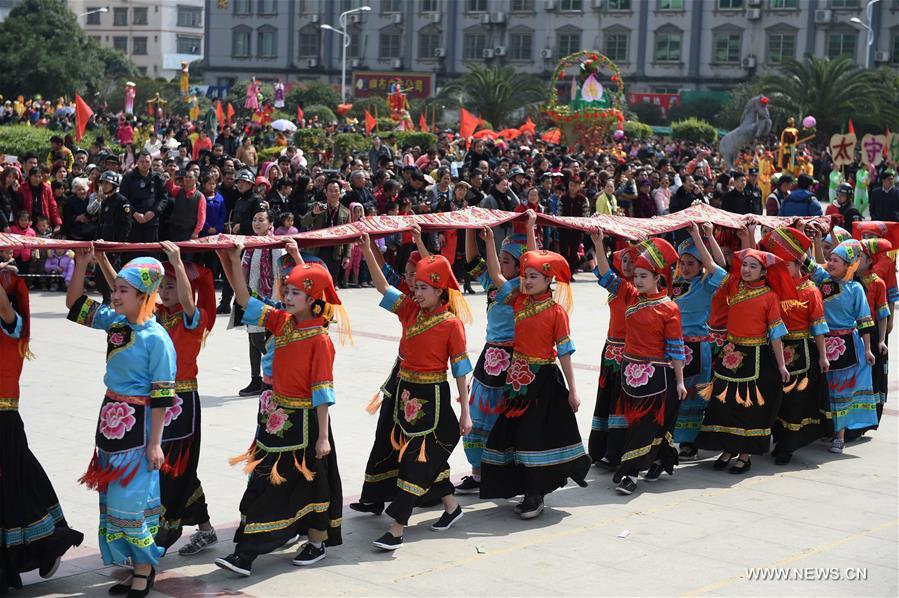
column 697, row 533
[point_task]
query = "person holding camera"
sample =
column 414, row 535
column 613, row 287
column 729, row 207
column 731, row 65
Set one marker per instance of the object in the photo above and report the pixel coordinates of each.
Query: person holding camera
column 325, row 215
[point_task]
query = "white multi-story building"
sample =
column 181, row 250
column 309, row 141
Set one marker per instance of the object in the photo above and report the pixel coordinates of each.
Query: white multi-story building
column 155, row 35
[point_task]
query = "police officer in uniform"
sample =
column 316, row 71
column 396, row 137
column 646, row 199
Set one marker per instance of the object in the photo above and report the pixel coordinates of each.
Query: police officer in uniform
column 145, row 191
column 114, row 219
column 752, row 187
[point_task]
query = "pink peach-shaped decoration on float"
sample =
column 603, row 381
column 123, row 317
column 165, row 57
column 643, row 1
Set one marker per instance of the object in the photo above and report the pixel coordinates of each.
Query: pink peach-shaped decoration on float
column 591, row 91
column 809, row 122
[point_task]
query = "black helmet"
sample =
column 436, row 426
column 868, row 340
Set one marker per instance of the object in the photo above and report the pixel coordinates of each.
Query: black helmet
column 245, row 175
column 111, row 177
column 845, row 189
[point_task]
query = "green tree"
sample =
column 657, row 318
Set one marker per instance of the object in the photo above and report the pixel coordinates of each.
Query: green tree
column 43, row 50
column 495, row 94
column 833, row 91
column 307, row 93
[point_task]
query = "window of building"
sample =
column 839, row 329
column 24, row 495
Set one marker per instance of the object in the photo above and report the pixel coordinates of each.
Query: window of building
column 616, row 46
column 522, row 6
column 139, row 16
column 190, row 16
column 120, row 44
column 619, row 5
column 521, row 45
column 668, row 46
column 727, row 48
column 780, row 46
column 784, row 4
column 568, row 42
column 242, row 8
column 389, row 6
column 430, row 5
column 428, row 42
column 142, row 70
column 189, row 45
column 844, row 3
column 476, row 6
column 730, row 4
column 120, row 17
column 355, row 42
column 473, row 46
column 671, row 4
column 309, row 42
column 139, row 46
column 841, row 44
column 895, row 57
column 240, row 42
column 346, row 5
column 571, row 6
column 267, row 42
column 389, row 44
column 268, row 7
column 93, row 15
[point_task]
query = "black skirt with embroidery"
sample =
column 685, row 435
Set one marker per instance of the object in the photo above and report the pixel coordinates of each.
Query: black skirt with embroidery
column 535, row 446
column 289, row 491
column 605, row 433
column 33, row 530
column 744, row 400
column 412, row 466
column 649, row 405
column 180, row 489
column 802, row 416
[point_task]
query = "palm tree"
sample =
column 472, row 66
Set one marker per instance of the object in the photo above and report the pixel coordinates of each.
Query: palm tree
column 495, row 93
column 833, row 91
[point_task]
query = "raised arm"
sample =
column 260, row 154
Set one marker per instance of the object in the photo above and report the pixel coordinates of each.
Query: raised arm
column 419, row 243
column 185, row 292
column 471, row 245
column 493, row 267
column 106, row 268
column 83, row 257
column 7, row 313
column 704, row 255
column 238, row 281
column 293, row 250
column 602, row 261
column 377, row 277
column 530, row 228
column 717, row 254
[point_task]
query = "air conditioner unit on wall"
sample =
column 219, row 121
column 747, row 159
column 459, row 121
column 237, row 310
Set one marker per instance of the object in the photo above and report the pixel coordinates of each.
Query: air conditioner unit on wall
column 755, row 2
column 355, row 18
column 498, row 17
column 312, row 63
column 397, row 18
column 434, row 17
column 754, row 14
column 823, row 16
column 314, row 18
column 485, row 19
column 355, row 62
column 499, row 51
column 397, row 63
column 549, row 5
column 546, row 53
column 597, row 4
column 749, row 62
column 439, row 52
column 488, row 53
column 881, row 56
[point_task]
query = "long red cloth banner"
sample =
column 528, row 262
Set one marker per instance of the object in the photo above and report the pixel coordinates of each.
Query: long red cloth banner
column 634, row 229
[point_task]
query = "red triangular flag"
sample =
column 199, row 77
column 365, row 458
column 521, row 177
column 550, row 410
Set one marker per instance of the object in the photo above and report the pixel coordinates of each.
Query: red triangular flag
column 423, row 123
column 219, row 113
column 300, row 114
column 83, row 112
column 468, row 123
column 528, row 127
column 370, row 123
column 851, row 128
column 229, row 114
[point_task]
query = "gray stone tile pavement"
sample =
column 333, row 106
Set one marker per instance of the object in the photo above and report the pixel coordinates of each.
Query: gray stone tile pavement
column 695, row 533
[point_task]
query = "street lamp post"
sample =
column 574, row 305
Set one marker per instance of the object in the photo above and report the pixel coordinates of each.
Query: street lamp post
column 341, row 20
column 866, row 25
column 104, row 10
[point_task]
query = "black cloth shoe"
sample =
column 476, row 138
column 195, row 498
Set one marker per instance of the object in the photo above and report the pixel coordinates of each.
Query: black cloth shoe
column 738, row 469
column 151, row 580
column 531, row 507
column 223, row 309
column 120, row 589
column 50, row 571
column 627, row 485
column 375, row 508
column 447, row 520
column 469, row 485
column 688, row 452
column 253, row 389
column 309, row 555
column 782, row 458
column 388, row 542
column 722, row 463
column 655, row 471
column 236, row 564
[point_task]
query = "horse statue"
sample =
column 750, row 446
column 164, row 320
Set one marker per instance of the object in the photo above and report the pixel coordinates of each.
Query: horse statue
column 755, row 123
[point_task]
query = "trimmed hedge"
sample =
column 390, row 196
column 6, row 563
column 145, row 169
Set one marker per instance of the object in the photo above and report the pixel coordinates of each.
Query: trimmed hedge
column 309, row 139
column 637, row 130
column 409, row 138
column 694, row 129
column 18, row 140
column 325, row 115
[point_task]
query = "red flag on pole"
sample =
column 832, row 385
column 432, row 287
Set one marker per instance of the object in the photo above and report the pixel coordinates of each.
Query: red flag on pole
column 300, row 115
column 229, row 114
column 528, row 127
column 851, row 128
column 83, row 112
column 219, row 113
column 370, row 123
column 468, row 123
column 423, row 123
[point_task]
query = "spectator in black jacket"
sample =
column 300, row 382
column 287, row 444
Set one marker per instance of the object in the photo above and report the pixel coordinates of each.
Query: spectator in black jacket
column 359, row 192
column 145, row 191
column 228, row 141
column 885, row 200
column 738, row 200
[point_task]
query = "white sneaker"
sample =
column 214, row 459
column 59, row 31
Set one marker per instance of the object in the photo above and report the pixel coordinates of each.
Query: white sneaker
column 837, row 446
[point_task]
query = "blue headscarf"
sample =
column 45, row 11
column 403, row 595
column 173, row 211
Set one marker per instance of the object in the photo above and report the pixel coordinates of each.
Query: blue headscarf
column 515, row 245
column 143, row 273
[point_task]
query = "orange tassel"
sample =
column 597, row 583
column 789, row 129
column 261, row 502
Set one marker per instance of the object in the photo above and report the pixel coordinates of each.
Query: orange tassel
column 803, row 384
column 244, row 457
column 704, row 391
column 275, row 478
column 758, row 397
column 722, row 396
column 251, row 464
column 393, row 441
column 301, row 467
column 375, row 403
column 403, row 448
column 790, row 387
column 422, row 456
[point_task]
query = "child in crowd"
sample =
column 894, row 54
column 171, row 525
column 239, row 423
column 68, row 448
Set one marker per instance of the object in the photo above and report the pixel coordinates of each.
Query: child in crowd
column 351, row 274
column 285, row 224
column 23, row 256
column 59, row 263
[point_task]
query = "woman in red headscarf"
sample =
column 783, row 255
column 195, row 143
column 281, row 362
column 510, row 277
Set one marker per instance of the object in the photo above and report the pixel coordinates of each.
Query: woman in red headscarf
column 606, row 432
column 535, row 446
column 294, row 485
column 425, row 429
column 800, row 419
column 652, row 368
column 33, row 530
column 745, row 393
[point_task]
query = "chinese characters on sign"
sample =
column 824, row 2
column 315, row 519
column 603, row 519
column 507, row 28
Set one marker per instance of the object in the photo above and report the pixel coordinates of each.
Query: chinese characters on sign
column 872, row 149
column 893, row 147
column 370, row 83
column 842, row 148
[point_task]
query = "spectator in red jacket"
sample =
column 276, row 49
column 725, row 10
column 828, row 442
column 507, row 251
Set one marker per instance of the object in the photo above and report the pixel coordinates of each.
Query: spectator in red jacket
column 36, row 198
